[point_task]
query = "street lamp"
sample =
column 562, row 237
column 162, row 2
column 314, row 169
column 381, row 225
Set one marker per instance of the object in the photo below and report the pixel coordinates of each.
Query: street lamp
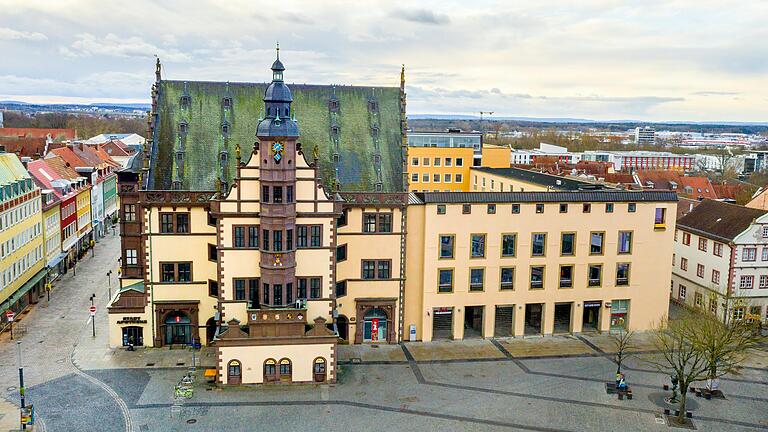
column 109, row 283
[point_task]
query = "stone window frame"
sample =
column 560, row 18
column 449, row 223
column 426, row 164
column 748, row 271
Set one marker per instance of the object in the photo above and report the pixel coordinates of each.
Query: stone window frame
column 174, row 223
column 176, row 272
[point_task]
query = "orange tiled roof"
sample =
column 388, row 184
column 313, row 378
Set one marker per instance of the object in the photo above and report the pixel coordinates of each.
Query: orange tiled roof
column 56, row 134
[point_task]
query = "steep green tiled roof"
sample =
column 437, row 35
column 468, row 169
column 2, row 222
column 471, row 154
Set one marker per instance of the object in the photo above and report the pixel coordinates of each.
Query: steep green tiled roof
column 200, row 105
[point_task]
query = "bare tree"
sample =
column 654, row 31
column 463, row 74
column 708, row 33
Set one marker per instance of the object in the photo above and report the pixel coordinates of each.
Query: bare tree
column 724, row 345
column 674, row 339
column 622, row 342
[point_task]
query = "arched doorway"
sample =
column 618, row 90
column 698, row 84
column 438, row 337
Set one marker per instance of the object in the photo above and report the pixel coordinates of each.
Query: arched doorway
column 285, row 370
column 178, row 329
column 375, row 325
column 270, row 371
column 318, row 369
column 234, row 372
column 210, row 330
column 342, row 324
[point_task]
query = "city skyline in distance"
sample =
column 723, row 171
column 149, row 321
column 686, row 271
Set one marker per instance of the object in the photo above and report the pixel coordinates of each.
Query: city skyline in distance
column 600, row 60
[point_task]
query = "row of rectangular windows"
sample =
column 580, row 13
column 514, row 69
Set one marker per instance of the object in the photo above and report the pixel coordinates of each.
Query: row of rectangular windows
column 17, row 268
column 446, row 178
column 16, row 242
column 425, row 161
column 477, row 245
column 445, row 283
column 19, row 214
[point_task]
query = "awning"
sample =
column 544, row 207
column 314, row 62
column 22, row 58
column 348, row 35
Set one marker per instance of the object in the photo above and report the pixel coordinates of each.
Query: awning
column 54, row 262
column 26, row 287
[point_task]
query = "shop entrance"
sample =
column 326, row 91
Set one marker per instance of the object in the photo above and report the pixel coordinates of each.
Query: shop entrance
column 375, row 326
column 504, row 322
column 591, row 316
column 473, row 322
column 619, row 315
column 533, row 314
column 133, row 335
column 178, row 330
column 442, row 323
column 563, row 317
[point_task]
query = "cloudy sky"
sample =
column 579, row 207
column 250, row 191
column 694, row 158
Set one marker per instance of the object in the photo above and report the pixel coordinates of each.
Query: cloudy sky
column 601, row 59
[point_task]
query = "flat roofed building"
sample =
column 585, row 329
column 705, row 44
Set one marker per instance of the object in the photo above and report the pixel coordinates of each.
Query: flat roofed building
column 441, row 161
column 524, row 263
column 512, row 179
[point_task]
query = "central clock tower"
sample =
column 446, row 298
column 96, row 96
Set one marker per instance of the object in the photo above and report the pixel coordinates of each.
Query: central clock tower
column 277, row 134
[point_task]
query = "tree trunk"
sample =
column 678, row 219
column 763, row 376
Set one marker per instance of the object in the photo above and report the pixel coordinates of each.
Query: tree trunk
column 681, row 406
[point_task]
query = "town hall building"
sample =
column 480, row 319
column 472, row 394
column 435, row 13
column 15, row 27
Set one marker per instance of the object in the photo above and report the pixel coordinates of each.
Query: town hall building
column 274, row 223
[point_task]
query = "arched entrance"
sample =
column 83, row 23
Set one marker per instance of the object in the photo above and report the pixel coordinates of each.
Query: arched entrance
column 318, row 369
column 178, row 329
column 375, row 325
column 342, row 324
column 234, row 372
column 210, row 330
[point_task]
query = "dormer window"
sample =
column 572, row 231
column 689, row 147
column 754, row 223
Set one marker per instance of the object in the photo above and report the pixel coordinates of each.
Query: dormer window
column 224, row 156
column 183, row 126
column 226, row 102
column 373, row 106
column 176, row 185
column 335, row 131
column 225, row 129
column 333, row 105
column 379, row 187
column 179, row 157
column 336, row 158
column 185, row 101
column 375, row 131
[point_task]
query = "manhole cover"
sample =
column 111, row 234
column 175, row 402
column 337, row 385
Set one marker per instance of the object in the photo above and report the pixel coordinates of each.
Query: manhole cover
column 191, row 421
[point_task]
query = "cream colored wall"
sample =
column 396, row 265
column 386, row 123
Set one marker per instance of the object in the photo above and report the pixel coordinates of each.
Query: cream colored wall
column 252, row 359
column 689, row 278
column 116, row 330
column 360, row 246
column 497, row 183
column 649, row 272
column 52, row 231
column 414, row 271
column 182, row 248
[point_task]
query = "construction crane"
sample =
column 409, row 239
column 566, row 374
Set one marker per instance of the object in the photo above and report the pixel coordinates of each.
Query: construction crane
column 481, row 120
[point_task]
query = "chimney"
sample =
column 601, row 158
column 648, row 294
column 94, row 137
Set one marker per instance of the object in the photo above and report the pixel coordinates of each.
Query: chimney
column 25, row 161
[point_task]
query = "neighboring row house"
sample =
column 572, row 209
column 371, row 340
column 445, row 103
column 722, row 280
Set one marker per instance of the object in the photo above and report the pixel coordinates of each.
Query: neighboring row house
column 275, row 252
column 22, row 254
column 721, row 261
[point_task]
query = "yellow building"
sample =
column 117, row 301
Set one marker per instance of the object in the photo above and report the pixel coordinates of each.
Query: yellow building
column 52, row 234
column 519, row 263
column 84, row 229
column 22, row 257
column 441, row 162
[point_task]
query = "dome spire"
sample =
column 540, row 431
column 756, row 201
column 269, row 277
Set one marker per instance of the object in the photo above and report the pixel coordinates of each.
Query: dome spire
column 277, row 66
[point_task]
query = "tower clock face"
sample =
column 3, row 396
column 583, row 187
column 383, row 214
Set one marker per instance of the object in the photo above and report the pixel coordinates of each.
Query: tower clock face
column 277, row 151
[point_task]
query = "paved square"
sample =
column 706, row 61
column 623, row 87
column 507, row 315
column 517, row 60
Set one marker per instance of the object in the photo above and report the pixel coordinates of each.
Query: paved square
column 549, row 346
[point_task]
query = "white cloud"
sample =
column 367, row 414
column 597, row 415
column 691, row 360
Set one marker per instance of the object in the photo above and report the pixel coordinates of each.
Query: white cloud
column 87, row 45
column 11, row 34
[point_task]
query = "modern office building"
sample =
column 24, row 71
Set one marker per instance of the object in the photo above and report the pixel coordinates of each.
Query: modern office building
column 645, row 135
column 440, row 161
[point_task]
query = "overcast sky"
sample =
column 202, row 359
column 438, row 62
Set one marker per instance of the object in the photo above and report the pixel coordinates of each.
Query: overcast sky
column 601, row 59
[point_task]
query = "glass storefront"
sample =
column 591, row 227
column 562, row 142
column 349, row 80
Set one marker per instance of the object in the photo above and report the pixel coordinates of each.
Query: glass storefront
column 619, row 315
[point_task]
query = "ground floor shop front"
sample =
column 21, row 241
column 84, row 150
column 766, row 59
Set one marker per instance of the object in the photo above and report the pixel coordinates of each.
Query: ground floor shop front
column 530, row 319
